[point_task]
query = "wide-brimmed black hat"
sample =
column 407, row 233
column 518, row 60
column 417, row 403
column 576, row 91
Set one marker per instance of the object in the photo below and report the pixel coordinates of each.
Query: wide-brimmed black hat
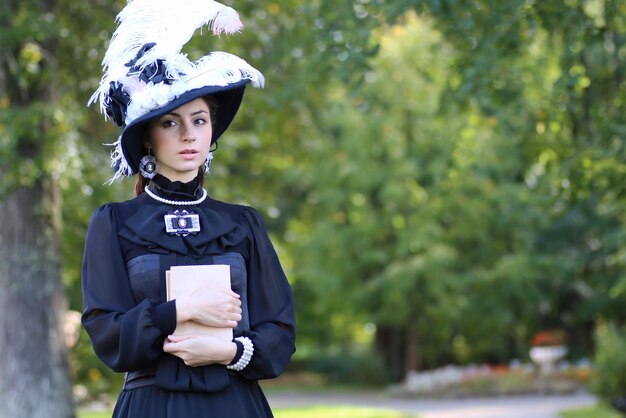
column 146, row 76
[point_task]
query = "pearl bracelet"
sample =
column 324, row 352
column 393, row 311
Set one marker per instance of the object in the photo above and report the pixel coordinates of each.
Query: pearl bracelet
column 244, row 360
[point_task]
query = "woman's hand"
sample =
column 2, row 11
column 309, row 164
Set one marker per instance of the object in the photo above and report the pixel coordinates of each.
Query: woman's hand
column 200, row 350
column 217, row 308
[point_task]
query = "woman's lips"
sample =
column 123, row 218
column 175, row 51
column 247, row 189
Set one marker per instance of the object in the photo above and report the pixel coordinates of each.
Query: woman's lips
column 188, row 154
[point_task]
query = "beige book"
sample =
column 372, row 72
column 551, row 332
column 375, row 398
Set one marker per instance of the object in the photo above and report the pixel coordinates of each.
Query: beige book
column 188, row 280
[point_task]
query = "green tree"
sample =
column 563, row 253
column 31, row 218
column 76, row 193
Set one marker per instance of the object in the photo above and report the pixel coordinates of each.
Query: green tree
column 566, row 112
column 520, row 192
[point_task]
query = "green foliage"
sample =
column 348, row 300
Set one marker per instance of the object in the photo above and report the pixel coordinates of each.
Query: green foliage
column 610, row 362
column 361, row 367
column 414, row 240
column 469, row 191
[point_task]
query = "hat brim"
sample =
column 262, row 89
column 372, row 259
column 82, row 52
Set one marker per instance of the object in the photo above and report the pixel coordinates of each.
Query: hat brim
column 228, row 100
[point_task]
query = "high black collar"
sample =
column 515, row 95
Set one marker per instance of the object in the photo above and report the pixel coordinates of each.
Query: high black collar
column 176, row 190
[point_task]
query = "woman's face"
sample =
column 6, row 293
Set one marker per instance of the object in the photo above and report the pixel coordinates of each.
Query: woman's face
column 180, row 140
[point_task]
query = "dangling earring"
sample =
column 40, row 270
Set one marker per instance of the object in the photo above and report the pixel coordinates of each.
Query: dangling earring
column 207, row 163
column 148, row 165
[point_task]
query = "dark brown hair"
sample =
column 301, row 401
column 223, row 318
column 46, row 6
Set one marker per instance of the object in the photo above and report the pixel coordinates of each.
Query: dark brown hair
column 142, row 182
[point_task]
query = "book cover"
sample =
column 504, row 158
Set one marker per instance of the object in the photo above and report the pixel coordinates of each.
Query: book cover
column 188, row 280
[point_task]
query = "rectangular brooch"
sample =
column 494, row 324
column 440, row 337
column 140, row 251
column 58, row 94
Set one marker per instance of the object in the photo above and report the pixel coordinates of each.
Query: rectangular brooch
column 182, row 223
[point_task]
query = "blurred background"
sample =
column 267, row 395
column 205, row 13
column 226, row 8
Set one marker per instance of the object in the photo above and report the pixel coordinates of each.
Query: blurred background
column 443, row 181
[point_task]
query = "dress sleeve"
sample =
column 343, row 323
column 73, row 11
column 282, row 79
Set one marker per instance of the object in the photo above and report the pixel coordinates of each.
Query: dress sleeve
column 126, row 336
column 270, row 305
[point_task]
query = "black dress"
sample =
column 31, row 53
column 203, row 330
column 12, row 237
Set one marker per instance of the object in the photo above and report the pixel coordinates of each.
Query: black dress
column 127, row 316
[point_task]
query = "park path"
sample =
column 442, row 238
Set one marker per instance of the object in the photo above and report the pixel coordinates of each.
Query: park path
column 502, row 407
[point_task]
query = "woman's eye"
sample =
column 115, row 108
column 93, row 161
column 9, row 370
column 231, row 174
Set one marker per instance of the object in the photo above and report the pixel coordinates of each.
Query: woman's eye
column 200, row 121
column 168, row 123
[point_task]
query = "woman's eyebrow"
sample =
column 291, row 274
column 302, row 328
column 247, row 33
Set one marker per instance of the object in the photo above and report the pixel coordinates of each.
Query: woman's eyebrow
column 192, row 114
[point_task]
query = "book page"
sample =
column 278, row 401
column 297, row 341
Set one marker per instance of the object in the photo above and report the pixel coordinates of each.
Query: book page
column 187, row 280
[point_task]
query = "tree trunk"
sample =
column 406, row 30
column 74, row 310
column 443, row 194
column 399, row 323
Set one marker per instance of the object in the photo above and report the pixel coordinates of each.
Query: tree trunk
column 413, row 354
column 34, row 378
column 389, row 343
column 34, row 375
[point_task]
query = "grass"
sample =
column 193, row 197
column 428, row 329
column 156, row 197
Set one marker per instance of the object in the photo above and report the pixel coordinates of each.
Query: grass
column 90, row 414
column 337, row 412
column 598, row 411
column 307, row 412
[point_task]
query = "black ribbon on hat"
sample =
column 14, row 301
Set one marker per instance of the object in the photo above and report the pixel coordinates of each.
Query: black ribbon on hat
column 116, row 102
column 155, row 72
column 117, row 98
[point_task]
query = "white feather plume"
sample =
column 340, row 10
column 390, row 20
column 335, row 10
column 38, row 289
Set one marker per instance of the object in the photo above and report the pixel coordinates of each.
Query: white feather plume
column 118, row 162
column 170, row 25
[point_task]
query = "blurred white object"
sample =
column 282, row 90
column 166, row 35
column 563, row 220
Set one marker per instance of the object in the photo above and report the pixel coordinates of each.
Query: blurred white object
column 546, row 357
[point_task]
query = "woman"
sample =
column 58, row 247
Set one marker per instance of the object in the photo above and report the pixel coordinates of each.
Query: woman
column 172, row 113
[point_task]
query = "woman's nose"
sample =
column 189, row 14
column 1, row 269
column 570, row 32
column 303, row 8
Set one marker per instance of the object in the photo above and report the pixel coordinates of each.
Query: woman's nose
column 188, row 134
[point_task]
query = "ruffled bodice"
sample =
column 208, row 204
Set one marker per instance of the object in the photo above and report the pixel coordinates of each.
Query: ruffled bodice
column 145, row 228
